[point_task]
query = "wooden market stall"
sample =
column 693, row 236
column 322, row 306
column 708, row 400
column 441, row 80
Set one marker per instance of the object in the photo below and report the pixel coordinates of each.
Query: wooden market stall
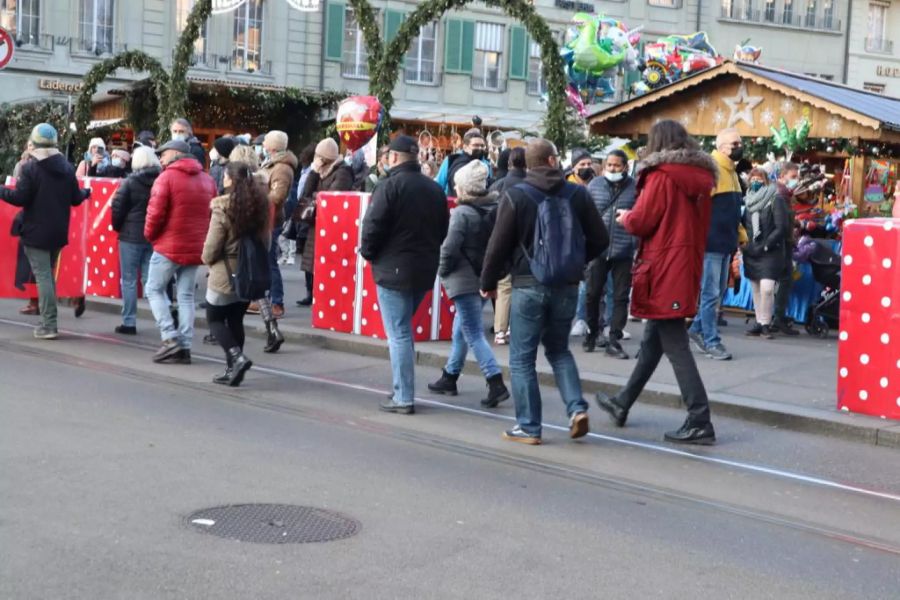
column 852, row 132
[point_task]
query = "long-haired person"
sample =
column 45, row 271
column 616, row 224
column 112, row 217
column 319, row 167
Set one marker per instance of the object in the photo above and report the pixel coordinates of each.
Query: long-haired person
column 670, row 219
column 242, row 211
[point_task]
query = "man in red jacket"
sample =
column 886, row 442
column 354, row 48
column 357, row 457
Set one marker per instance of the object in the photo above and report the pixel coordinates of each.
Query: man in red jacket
column 671, row 219
column 177, row 220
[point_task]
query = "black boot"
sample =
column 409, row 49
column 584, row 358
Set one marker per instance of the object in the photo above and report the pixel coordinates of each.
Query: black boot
column 590, row 342
column 497, row 392
column 240, row 364
column 274, row 337
column 225, row 376
column 445, row 385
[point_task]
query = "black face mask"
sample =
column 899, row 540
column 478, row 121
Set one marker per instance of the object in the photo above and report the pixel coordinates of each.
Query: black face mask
column 736, row 153
column 585, row 174
column 477, row 154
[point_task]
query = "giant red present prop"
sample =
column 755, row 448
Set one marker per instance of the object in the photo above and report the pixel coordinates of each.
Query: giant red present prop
column 89, row 264
column 869, row 347
column 344, row 298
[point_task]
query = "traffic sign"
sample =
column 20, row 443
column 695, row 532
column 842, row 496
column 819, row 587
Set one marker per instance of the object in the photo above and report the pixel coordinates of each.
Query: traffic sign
column 7, row 48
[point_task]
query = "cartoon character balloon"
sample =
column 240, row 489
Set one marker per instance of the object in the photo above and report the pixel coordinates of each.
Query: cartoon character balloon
column 743, row 52
column 673, row 57
column 358, row 119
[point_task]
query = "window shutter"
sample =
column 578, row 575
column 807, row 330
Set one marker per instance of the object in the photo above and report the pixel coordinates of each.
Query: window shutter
column 459, row 45
column 518, row 53
column 392, row 21
column 334, row 31
column 467, row 55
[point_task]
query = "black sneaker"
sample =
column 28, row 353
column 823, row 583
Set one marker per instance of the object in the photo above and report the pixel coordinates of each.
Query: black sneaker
column 401, row 409
column 517, row 435
column 210, row 339
column 305, row 302
column 126, row 329
column 590, row 343
column 766, row 333
column 617, row 414
column 167, row 351
column 183, row 357
column 701, row 435
column 615, row 350
column 754, row 331
column 784, row 328
column 80, row 306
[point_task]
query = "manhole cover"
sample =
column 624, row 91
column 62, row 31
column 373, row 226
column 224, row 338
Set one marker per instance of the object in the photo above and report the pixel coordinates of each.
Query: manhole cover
column 274, row 523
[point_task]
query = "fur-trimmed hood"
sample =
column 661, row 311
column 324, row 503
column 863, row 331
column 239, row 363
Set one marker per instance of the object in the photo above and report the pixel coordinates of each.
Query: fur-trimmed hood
column 682, row 167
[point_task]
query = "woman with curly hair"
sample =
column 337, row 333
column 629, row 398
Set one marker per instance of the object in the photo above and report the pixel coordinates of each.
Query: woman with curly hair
column 242, row 211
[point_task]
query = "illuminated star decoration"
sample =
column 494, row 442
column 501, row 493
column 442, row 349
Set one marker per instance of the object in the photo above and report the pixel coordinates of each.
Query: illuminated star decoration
column 685, row 119
column 742, row 106
column 719, row 116
column 787, row 106
column 834, row 125
column 703, row 103
column 768, row 117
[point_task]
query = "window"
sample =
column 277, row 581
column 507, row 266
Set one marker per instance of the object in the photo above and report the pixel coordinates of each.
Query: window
column 665, row 3
column 96, row 24
column 488, row 56
column 354, row 63
column 876, row 28
column 877, row 88
column 537, row 84
column 748, row 10
column 788, row 17
column 769, row 14
column 810, row 13
column 248, row 22
column 420, row 58
column 828, row 15
column 183, row 10
column 22, row 19
column 728, row 8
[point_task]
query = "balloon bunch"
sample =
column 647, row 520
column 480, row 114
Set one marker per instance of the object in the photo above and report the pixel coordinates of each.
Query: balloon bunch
column 673, row 57
column 358, row 120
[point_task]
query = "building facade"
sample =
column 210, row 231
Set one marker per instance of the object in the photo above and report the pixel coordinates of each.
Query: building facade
column 873, row 62
column 474, row 61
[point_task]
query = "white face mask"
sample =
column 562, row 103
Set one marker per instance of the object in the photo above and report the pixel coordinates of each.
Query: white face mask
column 213, row 155
column 118, row 162
column 614, row 177
column 180, row 137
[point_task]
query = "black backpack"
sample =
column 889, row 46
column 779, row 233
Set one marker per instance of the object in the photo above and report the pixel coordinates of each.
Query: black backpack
column 558, row 246
column 478, row 246
column 252, row 279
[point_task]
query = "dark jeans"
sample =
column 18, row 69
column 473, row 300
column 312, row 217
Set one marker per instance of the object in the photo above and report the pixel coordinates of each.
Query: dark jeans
column 226, row 323
column 542, row 315
column 597, row 272
column 276, row 287
column 783, row 298
column 668, row 337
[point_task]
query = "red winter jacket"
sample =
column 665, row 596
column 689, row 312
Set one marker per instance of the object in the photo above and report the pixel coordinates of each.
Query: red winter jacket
column 671, row 219
column 178, row 211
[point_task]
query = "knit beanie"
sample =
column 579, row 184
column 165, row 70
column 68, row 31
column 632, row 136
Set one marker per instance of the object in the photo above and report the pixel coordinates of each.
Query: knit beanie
column 471, row 180
column 276, row 140
column 97, row 142
column 579, row 155
column 44, row 136
column 328, row 149
column 224, row 145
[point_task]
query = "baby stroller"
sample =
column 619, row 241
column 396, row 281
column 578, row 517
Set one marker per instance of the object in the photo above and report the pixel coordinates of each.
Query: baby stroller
column 826, row 269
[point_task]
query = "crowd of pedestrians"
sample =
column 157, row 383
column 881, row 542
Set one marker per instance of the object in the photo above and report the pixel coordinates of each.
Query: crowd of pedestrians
column 605, row 239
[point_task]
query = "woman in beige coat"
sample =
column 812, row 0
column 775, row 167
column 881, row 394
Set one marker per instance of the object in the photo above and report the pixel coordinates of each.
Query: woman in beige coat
column 242, row 211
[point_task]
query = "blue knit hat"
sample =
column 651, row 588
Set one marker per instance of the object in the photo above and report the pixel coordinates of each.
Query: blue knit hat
column 44, row 136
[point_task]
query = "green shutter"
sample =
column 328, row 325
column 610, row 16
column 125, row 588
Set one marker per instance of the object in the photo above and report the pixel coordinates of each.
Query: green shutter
column 518, row 53
column 392, row 21
column 459, row 46
column 334, row 31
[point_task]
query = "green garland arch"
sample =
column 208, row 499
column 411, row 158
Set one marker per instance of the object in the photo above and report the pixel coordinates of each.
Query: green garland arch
column 385, row 62
column 176, row 105
column 132, row 59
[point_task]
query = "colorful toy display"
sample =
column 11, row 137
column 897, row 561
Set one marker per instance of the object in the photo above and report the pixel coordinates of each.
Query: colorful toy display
column 744, row 52
column 358, row 120
column 672, row 57
column 791, row 139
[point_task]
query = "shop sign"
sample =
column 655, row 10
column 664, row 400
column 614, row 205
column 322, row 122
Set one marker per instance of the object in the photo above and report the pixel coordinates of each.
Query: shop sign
column 55, row 85
column 575, row 6
column 885, row 71
column 7, row 48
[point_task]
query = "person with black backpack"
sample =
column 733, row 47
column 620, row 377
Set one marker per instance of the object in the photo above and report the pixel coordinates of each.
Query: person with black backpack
column 547, row 229
column 462, row 255
column 236, row 252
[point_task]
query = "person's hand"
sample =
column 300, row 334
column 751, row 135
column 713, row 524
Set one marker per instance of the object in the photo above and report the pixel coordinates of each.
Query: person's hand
column 491, row 294
column 621, row 214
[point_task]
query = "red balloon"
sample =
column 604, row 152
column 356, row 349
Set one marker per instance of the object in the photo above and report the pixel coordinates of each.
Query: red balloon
column 357, row 120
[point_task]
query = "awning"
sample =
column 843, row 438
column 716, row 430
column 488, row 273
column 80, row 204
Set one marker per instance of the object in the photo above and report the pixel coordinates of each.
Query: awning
column 529, row 121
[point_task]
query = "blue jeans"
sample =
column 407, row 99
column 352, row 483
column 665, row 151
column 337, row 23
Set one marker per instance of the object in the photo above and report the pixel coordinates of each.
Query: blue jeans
column 581, row 307
column 468, row 331
column 161, row 272
column 134, row 259
column 712, row 290
column 276, row 287
column 542, row 315
column 397, row 310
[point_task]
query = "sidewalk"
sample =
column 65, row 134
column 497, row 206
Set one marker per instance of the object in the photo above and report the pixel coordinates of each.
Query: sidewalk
column 786, row 382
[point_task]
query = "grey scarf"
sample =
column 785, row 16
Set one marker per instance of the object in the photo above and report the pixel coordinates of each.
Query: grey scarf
column 756, row 202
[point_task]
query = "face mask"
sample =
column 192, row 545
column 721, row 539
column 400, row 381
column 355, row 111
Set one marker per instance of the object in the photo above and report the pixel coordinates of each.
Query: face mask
column 118, row 162
column 180, row 137
column 613, row 177
column 585, row 174
column 387, row 169
column 755, row 186
column 792, row 183
column 477, row 154
column 736, row 154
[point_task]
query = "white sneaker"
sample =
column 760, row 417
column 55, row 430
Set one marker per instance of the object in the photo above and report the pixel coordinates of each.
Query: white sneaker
column 579, row 329
column 290, row 260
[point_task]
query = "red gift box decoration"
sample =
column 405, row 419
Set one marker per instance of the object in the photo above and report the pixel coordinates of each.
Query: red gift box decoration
column 344, row 295
column 869, row 339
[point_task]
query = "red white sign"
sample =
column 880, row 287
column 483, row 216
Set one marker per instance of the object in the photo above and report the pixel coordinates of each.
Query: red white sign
column 7, row 48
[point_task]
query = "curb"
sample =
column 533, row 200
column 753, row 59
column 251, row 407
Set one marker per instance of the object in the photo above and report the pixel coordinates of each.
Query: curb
column 859, row 428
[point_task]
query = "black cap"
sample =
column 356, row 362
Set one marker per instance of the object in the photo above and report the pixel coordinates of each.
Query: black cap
column 404, row 143
column 224, row 146
column 176, row 145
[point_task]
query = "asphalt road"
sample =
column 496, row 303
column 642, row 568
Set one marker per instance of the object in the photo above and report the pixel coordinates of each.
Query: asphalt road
column 104, row 455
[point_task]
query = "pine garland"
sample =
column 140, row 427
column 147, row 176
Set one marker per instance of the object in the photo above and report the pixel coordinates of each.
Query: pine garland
column 176, row 105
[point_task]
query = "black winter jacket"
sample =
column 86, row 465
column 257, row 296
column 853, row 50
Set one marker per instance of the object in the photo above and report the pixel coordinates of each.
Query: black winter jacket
column 608, row 198
column 197, row 151
column 129, row 206
column 403, row 229
column 514, row 229
column 47, row 189
column 766, row 257
column 513, row 177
